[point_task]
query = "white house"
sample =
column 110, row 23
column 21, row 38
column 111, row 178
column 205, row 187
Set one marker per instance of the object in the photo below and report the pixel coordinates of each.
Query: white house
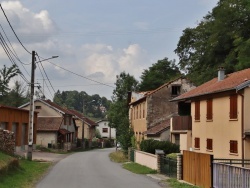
column 105, row 130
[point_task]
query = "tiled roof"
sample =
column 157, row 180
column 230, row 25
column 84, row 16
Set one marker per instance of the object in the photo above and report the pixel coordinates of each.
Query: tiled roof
column 159, row 128
column 49, row 123
column 83, row 118
column 64, row 110
column 230, row 82
column 63, row 131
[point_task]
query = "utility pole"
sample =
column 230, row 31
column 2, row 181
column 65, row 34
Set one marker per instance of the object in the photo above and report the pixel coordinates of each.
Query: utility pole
column 31, row 112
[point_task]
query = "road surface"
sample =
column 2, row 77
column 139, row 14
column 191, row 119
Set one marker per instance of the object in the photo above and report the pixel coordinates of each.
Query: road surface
column 93, row 169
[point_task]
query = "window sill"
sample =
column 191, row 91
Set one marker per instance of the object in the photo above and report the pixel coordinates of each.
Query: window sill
column 196, row 148
column 196, row 120
column 233, row 119
column 209, row 150
column 235, row 154
column 209, row 120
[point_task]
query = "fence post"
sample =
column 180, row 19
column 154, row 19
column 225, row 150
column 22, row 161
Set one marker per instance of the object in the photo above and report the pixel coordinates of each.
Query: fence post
column 179, row 166
column 159, row 155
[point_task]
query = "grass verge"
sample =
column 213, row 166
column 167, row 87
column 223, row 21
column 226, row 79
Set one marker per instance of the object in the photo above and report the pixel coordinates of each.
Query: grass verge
column 138, row 169
column 176, row 184
column 118, row 157
column 24, row 176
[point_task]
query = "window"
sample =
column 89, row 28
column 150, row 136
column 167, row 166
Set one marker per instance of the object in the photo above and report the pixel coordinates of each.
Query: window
column 104, row 130
column 38, row 107
column 233, row 146
column 176, row 90
column 197, row 111
column 137, row 112
column 233, row 107
column 143, row 109
column 140, row 112
column 209, row 144
column 209, row 109
column 197, row 143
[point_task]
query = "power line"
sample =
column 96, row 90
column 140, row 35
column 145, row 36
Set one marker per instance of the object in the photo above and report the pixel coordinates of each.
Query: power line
column 14, row 30
column 80, row 75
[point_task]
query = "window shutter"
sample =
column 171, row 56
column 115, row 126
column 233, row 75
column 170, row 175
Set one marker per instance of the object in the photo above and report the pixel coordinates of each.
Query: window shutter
column 209, row 109
column 197, row 110
column 233, row 107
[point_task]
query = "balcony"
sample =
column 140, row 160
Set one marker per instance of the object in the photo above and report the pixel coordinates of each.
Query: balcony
column 181, row 123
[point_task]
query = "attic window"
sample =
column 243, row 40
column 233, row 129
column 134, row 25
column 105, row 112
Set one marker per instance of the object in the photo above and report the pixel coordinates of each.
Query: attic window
column 176, row 90
column 38, row 107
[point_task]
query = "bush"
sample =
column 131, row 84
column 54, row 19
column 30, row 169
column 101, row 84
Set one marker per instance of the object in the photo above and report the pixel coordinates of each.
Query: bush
column 151, row 145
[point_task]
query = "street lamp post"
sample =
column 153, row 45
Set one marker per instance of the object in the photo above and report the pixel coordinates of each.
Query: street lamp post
column 83, row 110
column 31, row 112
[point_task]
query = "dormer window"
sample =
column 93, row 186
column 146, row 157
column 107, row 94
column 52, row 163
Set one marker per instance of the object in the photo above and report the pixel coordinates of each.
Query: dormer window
column 176, row 90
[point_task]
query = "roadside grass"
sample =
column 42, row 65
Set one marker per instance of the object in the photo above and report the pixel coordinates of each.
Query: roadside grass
column 138, row 169
column 118, row 157
column 24, row 174
column 176, row 184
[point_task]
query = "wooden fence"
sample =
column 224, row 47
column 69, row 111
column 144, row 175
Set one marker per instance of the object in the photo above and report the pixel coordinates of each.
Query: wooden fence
column 197, row 168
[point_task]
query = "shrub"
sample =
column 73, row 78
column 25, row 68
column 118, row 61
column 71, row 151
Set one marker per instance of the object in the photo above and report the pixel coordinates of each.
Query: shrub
column 151, row 145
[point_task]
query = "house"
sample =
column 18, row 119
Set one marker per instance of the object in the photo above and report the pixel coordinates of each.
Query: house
column 152, row 108
column 220, row 115
column 55, row 125
column 105, row 130
column 89, row 126
column 17, row 121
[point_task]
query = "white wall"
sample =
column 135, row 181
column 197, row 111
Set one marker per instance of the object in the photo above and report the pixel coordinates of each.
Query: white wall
column 105, row 124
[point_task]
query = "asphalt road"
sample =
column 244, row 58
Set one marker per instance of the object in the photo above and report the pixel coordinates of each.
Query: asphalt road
column 93, row 169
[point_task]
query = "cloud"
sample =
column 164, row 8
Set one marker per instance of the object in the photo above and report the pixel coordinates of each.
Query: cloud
column 30, row 27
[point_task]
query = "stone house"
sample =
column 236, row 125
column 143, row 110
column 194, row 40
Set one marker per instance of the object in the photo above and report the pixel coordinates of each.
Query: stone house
column 152, row 108
column 55, row 125
column 220, row 116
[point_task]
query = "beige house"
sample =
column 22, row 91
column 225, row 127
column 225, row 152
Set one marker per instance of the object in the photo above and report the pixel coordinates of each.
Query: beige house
column 220, row 115
column 55, row 125
column 150, row 109
column 88, row 124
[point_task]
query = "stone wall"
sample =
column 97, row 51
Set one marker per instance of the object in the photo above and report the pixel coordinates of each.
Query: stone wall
column 7, row 141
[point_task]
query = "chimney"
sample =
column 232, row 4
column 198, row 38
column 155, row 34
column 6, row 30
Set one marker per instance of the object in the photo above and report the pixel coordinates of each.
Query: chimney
column 221, row 73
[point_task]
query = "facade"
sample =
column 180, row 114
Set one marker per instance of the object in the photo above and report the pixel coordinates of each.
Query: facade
column 56, row 125
column 105, row 130
column 88, row 124
column 149, row 109
column 220, row 119
column 17, row 121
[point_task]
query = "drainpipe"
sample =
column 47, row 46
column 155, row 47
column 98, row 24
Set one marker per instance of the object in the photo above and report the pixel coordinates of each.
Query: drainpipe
column 242, row 128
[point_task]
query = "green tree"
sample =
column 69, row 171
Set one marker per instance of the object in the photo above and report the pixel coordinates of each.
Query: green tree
column 158, row 74
column 220, row 39
column 118, row 112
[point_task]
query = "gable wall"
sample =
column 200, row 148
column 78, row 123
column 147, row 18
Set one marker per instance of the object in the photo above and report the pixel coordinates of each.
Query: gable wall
column 221, row 129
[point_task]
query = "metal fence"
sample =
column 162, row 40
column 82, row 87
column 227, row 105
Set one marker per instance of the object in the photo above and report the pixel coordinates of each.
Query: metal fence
column 169, row 166
column 227, row 176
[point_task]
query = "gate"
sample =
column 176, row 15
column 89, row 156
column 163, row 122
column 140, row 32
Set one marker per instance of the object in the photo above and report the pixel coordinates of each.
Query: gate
column 169, row 166
column 197, row 168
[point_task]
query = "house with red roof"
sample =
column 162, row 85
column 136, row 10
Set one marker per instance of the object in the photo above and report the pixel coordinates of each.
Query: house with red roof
column 55, row 125
column 150, row 111
column 85, row 126
column 220, row 115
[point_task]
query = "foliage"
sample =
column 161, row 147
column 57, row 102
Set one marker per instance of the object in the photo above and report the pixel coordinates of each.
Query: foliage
column 81, row 101
column 176, row 184
column 138, row 169
column 118, row 113
column 158, row 74
column 222, row 38
column 25, row 176
column 118, row 157
column 97, row 133
column 151, row 145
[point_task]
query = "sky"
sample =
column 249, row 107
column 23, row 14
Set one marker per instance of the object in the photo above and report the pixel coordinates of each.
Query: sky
column 95, row 40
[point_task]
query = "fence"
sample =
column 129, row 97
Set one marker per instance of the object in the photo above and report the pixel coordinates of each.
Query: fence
column 169, row 167
column 227, row 176
column 197, row 168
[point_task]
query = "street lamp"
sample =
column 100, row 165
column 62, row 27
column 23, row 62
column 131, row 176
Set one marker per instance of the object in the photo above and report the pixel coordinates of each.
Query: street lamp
column 31, row 112
column 83, row 109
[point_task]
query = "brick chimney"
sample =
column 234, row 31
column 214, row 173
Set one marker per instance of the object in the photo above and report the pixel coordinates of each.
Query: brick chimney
column 221, row 73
